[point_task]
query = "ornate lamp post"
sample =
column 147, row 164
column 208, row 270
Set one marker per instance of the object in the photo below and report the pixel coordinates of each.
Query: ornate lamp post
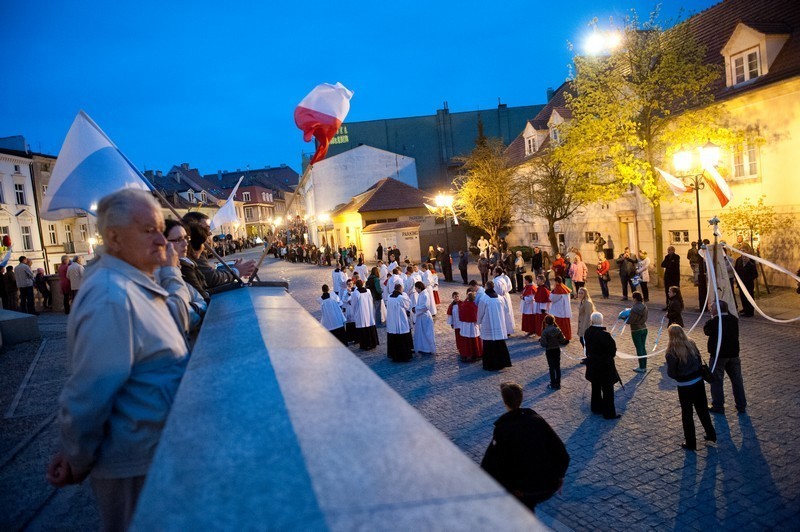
column 684, row 163
column 444, row 203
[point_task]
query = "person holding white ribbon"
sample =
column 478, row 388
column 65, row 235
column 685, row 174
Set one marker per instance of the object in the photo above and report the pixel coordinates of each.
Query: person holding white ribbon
column 728, row 359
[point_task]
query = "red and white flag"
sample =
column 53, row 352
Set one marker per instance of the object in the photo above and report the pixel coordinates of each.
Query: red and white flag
column 321, row 113
column 675, row 185
column 718, row 184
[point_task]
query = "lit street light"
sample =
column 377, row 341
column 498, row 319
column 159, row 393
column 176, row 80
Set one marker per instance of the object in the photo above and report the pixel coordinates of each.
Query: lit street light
column 444, row 203
column 684, row 162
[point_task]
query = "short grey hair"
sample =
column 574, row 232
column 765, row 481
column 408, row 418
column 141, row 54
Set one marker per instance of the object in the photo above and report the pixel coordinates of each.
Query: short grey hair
column 596, row 318
column 117, row 209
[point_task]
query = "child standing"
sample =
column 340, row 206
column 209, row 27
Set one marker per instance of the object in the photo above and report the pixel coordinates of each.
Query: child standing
column 674, row 306
column 541, row 304
column 470, row 332
column 528, row 314
column 552, row 339
column 454, row 322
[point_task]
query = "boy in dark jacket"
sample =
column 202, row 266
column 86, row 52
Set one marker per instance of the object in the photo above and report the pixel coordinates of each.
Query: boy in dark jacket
column 526, row 456
column 552, row 339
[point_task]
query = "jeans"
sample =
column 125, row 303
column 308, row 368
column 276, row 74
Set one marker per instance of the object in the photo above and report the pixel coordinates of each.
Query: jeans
column 693, row 397
column 625, row 284
column 639, row 337
column 376, row 305
column 554, row 365
column 603, row 286
column 733, row 367
column 26, row 301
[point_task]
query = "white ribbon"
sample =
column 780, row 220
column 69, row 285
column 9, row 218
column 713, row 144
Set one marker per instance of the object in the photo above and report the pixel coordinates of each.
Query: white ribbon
column 744, row 291
column 763, row 261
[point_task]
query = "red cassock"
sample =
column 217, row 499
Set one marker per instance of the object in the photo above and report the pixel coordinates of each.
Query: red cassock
column 459, row 339
column 528, row 319
column 541, row 303
column 472, row 346
column 561, row 311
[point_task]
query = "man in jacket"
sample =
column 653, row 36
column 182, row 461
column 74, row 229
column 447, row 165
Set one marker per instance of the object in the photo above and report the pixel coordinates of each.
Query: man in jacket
column 24, row 276
column 75, row 276
column 627, row 269
column 66, row 289
column 214, row 276
column 463, row 261
column 526, row 456
column 128, row 354
column 672, row 272
column 728, row 362
column 747, row 272
column 536, row 262
column 600, row 368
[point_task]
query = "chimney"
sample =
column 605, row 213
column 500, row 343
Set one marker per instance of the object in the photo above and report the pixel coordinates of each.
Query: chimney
column 158, row 173
column 148, row 174
column 184, row 166
column 219, row 175
column 550, row 93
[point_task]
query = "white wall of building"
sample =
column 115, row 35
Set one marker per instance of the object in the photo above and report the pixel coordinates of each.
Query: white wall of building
column 18, row 214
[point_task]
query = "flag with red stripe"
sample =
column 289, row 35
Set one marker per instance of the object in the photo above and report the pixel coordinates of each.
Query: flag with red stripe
column 321, row 113
column 718, row 185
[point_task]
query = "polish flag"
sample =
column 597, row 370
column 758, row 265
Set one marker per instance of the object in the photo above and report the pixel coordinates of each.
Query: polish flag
column 321, row 113
column 718, row 185
column 675, row 185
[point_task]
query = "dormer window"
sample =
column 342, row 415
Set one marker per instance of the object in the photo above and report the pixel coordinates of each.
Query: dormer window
column 203, row 197
column 555, row 136
column 530, row 145
column 190, row 194
column 746, row 66
column 245, row 196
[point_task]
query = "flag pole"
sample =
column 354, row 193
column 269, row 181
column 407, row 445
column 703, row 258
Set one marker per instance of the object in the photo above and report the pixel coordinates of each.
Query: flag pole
column 209, row 248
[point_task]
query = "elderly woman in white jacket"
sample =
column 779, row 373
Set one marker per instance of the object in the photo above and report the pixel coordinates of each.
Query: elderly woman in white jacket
column 643, row 271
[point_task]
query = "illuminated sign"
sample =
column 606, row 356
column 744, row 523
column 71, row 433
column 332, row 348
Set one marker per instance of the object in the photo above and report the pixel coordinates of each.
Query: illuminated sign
column 341, row 136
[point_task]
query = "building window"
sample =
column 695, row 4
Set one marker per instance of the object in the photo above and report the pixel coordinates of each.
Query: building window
column 44, row 190
column 190, row 195
column 679, row 237
column 19, row 190
column 591, row 236
column 203, row 198
column 264, row 196
column 745, row 160
column 51, row 230
column 16, row 168
column 27, row 239
column 248, row 213
column 68, row 232
column 533, row 237
column 530, row 145
column 555, row 135
column 3, row 231
column 245, row 196
column 746, row 66
column 84, row 232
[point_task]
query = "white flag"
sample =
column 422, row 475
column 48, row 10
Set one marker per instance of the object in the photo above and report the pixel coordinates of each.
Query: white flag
column 89, row 167
column 227, row 213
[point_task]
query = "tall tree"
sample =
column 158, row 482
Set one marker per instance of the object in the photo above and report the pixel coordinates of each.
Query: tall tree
column 483, row 191
column 547, row 189
column 636, row 106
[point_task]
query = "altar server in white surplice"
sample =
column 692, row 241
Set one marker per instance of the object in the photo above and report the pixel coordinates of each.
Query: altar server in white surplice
column 332, row 316
column 424, row 339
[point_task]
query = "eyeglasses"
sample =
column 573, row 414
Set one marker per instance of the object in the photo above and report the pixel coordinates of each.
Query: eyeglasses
column 184, row 240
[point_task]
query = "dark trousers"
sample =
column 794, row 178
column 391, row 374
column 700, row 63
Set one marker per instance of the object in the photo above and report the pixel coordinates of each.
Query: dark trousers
column 693, row 397
column 10, row 300
column 554, row 365
column 464, row 275
column 26, row 302
column 484, row 278
column 644, row 290
column 733, row 367
column 603, row 399
column 520, row 283
column 625, row 284
column 67, row 298
column 579, row 285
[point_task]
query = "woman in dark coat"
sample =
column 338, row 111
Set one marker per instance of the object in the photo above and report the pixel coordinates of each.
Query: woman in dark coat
column 683, row 365
column 674, row 306
column 600, row 368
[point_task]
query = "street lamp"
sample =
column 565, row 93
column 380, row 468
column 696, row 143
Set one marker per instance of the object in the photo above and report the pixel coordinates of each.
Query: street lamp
column 684, row 162
column 444, row 203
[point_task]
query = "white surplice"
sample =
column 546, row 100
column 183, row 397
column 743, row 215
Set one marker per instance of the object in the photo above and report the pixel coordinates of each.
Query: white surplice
column 339, row 281
column 396, row 314
column 332, row 316
column 502, row 285
column 363, row 311
column 492, row 318
column 424, row 339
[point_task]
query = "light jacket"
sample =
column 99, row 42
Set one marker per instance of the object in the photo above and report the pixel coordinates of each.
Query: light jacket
column 127, row 359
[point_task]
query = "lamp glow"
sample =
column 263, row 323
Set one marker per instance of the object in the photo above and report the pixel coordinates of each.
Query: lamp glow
column 444, row 200
column 709, row 154
column 594, row 44
column 682, row 161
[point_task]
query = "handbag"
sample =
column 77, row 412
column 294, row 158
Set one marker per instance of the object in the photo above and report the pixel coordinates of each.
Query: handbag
column 705, row 371
column 605, row 277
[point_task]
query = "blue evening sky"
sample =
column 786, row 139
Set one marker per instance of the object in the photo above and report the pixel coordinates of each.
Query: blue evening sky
column 215, row 84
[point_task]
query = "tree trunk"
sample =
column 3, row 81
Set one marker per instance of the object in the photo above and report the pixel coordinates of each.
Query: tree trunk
column 551, row 236
column 659, row 238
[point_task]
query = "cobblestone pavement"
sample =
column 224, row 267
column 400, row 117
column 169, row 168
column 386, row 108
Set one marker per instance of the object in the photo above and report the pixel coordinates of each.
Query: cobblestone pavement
column 628, row 474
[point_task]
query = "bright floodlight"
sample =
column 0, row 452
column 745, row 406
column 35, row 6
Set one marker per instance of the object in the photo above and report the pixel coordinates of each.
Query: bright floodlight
column 595, row 44
column 278, row 220
column 682, row 161
column 325, row 217
column 709, row 154
column 444, row 200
